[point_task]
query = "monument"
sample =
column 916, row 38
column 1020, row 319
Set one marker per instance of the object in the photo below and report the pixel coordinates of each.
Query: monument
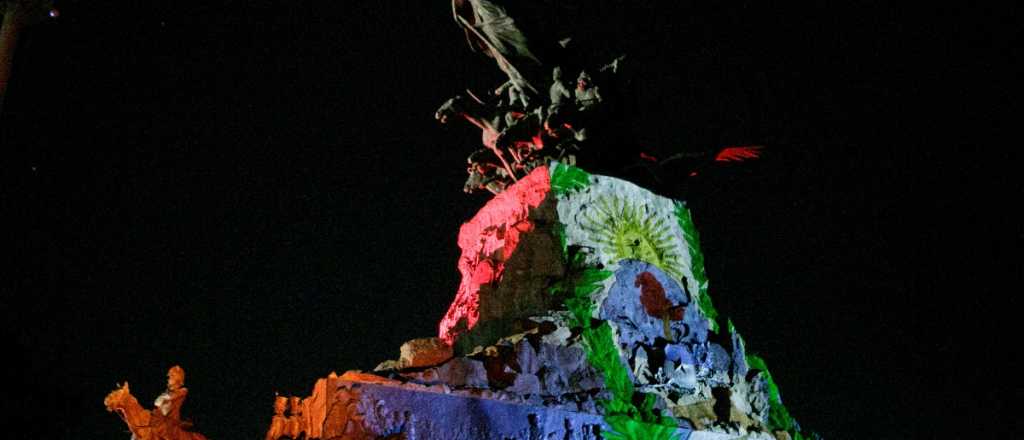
column 583, row 311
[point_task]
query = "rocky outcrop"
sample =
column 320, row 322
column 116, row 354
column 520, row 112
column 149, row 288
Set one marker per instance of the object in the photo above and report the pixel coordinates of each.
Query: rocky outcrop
column 425, row 351
column 510, row 255
column 583, row 299
column 355, row 409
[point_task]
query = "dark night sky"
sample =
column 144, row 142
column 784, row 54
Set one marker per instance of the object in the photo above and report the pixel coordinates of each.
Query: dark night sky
column 258, row 191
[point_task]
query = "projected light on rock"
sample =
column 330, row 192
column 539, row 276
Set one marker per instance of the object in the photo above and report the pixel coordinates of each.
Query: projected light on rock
column 625, row 230
column 583, row 309
column 487, row 241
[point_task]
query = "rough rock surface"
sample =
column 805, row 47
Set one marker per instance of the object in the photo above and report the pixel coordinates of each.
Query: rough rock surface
column 353, row 408
column 424, row 352
column 583, row 309
column 510, row 255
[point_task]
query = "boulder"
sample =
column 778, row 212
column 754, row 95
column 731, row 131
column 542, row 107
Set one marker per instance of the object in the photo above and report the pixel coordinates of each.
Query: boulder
column 463, row 372
column 424, row 352
column 526, row 357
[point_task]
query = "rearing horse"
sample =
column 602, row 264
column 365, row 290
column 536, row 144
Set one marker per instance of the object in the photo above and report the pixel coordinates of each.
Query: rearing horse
column 141, row 422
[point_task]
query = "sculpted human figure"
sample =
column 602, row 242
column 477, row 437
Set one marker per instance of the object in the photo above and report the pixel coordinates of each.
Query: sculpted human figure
column 167, row 411
column 479, row 115
column 556, row 121
column 587, row 94
column 533, row 43
column 164, row 421
column 485, row 173
column 169, row 403
column 475, row 113
column 278, row 424
column 295, row 425
column 516, row 97
column 558, row 91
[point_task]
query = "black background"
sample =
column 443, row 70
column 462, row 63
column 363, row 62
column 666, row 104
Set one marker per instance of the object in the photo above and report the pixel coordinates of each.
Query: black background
column 258, row 192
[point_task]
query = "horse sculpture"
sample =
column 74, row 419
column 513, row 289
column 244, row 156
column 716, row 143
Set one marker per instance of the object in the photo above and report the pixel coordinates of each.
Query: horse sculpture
column 514, row 137
column 144, row 424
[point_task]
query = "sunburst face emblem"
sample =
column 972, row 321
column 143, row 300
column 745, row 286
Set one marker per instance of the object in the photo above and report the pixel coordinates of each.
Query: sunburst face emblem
column 628, row 230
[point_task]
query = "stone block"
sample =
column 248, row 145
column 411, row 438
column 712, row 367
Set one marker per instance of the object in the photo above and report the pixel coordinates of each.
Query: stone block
column 424, row 352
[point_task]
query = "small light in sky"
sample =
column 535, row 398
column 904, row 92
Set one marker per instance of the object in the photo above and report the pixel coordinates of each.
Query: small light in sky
column 54, row 13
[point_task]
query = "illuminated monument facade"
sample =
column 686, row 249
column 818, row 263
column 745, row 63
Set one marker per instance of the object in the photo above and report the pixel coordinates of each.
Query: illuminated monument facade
column 583, row 313
column 583, row 310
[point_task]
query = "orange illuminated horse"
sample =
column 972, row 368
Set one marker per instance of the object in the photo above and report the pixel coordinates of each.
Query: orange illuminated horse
column 142, row 423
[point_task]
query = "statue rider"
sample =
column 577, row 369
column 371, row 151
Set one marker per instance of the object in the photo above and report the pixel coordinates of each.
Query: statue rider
column 516, row 97
column 167, row 414
column 558, row 91
column 295, row 426
column 279, row 423
column 587, row 94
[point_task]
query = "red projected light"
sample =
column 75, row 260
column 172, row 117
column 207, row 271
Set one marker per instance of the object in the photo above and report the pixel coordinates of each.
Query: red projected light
column 487, row 241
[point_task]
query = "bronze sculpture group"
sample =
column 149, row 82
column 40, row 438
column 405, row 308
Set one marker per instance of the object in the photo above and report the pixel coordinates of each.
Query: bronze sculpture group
column 536, row 116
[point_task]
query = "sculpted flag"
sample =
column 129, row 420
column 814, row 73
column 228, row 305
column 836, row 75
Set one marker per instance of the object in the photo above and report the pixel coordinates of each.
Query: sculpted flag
column 490, row 29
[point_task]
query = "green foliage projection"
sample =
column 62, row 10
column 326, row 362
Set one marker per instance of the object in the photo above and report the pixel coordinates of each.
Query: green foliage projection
column 732, row 331
column 778, row 415
column 697, row 265
column 563, row 242
column 624, row 229
column 628, row 421
column 625, row 428
column 565, row 178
